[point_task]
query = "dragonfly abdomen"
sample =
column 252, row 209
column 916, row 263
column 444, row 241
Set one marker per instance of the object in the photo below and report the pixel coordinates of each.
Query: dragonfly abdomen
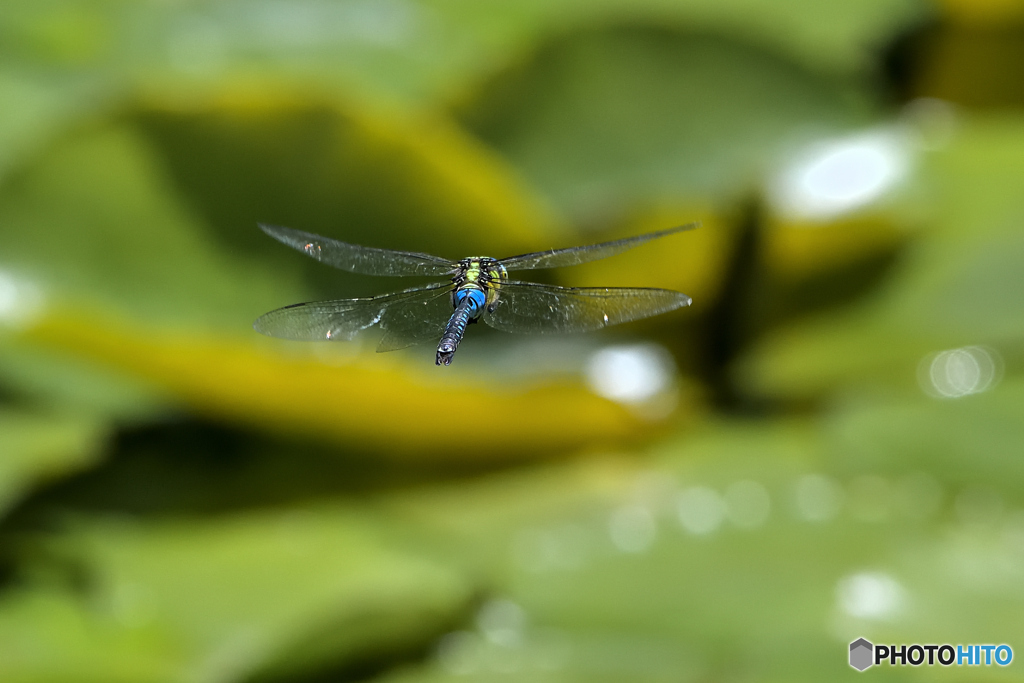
column 469, row 304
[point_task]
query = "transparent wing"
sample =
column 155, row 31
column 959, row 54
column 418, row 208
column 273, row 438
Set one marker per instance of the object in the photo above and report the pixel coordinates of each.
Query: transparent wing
column 529, row 307
column 357, row 259
column 416, row 320
column 406, row 317
column 573, row 256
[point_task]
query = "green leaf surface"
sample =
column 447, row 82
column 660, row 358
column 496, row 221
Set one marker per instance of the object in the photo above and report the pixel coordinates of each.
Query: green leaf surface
column 225, row 600
column 69, row 384
column 955, row 288
column 406, row 53
column 614, row 118
column 38, row 107
column 341, row 170
column 35, row 448
column 969, row 440
column 627, row 585
column 92, row 221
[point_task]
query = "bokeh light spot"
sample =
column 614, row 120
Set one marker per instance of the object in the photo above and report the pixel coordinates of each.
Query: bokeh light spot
column 460, row 652
column 632, row 528
column 630, row 374
column 871, row 595
column 700, row 510
column 818, row 498
column 834, row 177
column 747, row 504
column 502, row 622
column 955, row 373
column 20, row 300
column 562, row 548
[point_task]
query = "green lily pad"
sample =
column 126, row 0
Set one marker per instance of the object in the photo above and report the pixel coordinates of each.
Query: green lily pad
column 40, row 107
column 262, row 595
column 610, row 119
column 955, row 288
column 36, row 448
column 643, row 583
column 407, row 53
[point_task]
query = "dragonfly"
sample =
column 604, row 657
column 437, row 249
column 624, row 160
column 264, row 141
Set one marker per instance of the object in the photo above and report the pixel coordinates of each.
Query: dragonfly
column 477, row 288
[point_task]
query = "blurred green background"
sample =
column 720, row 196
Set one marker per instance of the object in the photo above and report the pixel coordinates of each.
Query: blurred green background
column 826, row 445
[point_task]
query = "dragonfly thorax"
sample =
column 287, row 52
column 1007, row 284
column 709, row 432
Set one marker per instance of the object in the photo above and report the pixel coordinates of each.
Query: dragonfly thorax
column 480, row 272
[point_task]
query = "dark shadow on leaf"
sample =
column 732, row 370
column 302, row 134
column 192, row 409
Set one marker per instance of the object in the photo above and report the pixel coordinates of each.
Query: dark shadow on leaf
column 192, row 467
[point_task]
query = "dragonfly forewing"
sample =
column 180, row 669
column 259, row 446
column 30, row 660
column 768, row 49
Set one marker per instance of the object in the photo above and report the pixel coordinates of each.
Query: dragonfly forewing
column 358, row 259
column 574, row 256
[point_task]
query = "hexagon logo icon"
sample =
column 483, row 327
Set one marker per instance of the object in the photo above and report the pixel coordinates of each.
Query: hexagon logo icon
column 861, row 654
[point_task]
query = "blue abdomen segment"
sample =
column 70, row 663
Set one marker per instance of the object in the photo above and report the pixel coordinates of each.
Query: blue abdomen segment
column 477, row 300
column 469, row 304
